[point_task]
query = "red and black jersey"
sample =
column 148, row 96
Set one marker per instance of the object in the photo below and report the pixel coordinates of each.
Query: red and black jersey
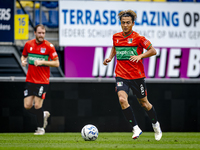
column 126, row 46
column 41, row 51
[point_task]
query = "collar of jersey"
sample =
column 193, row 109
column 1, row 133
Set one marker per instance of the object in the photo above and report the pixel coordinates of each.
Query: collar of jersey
column 39, row 43
column 127, row 34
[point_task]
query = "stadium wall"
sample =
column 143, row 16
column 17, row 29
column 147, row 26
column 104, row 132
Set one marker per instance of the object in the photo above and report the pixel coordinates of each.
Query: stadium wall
column 74, row 104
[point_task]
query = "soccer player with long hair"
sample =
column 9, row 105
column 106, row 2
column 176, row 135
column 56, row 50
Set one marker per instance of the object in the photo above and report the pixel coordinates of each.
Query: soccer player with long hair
column 128, row 47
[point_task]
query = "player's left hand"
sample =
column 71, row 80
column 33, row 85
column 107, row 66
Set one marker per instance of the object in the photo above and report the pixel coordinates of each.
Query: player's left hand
column 135, row 58
column 37, row 63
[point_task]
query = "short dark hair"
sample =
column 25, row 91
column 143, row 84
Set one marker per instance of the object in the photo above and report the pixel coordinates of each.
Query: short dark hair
column 127, row 13
column 39, row 25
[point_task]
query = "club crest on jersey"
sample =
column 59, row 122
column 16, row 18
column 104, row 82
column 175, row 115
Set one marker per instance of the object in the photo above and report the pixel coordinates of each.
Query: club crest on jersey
column 42, row 50
column 130, row 40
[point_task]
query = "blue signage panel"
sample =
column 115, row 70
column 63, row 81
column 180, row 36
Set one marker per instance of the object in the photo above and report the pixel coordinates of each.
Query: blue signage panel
column 7, row 20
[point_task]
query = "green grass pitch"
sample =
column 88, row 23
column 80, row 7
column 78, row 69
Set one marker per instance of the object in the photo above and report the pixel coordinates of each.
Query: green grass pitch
column 105, row 141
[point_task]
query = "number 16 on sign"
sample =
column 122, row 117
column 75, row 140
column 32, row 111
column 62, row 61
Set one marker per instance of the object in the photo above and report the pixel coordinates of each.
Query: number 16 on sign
column 21, row 27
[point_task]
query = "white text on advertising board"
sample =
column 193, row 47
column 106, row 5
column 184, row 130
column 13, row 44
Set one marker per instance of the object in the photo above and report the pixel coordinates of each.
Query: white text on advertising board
column 5, row 15
column 168, row 63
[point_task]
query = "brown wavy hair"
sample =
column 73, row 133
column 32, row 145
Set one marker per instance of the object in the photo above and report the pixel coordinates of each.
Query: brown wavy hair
column 127, row 13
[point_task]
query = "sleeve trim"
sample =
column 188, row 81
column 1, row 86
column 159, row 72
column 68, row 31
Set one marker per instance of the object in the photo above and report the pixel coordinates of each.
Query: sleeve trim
column 149, row 46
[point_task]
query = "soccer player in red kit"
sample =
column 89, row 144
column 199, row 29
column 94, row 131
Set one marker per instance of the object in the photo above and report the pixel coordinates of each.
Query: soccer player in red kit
column 40, row 55
column 128, row 48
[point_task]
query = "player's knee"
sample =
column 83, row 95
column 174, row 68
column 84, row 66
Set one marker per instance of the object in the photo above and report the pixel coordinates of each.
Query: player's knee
column 122, row 101
column 28, row 106
column 37, row 106
column 145, row 105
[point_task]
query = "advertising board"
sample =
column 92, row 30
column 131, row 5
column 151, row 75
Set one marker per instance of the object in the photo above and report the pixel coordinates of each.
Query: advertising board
column 86, row 30
column 92, row 23
column 174, row 62
column 7, row 21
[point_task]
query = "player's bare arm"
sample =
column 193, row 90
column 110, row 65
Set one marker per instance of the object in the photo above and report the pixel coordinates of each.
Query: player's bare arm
column 24, row 60
column 148, row 53
column 112, row 54
column 53, row 63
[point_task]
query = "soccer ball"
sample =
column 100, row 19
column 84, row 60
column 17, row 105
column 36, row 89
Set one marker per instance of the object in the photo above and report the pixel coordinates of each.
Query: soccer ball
column 89, row 132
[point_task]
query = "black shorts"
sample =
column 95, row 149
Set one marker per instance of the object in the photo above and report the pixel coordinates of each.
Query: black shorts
column 38, row 90
column 138, row 86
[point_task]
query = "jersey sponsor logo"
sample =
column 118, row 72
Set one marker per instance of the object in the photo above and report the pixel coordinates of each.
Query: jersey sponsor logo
column 42, row 50
column 31, row 48
column 119, row 83
column 33, row 57
column 124, row 53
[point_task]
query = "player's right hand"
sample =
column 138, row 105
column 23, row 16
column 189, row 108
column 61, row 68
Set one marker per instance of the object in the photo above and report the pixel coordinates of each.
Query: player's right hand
column 24, row 62
column 106, row 61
